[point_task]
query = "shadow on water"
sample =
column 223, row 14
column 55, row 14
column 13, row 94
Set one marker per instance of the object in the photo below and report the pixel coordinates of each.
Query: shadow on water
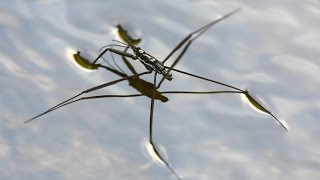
column 151, row 89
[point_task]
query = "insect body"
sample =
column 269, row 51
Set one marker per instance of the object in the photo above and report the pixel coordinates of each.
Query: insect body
column 151, row 63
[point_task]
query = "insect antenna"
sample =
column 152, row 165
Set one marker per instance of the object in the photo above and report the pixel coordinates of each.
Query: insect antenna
column 120, row 42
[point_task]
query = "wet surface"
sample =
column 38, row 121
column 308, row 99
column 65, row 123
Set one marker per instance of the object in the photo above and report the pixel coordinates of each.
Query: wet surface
column 270, row 48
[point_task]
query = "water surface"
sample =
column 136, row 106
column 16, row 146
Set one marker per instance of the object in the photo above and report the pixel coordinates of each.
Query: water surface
column 270, row 48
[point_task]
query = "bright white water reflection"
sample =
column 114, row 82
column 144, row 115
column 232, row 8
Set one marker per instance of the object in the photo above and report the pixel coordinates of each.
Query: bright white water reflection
column 270, row 48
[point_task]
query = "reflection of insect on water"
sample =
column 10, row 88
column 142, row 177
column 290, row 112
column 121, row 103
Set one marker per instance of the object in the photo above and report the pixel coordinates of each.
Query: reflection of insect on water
column 152, row 65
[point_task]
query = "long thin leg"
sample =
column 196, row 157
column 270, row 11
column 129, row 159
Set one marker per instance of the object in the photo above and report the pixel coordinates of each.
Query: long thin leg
column 201, row 92
column 93, row 97
column 152, row 108
column 174, row 92
column 246, row 93
column 73, row 100
column 139, row 95
column 121, row 53
column 250, row 98
column 206, row 79
column 201, row 30
column 67, row 102
column 152, row 143
column 87, row 91
column 189, row 39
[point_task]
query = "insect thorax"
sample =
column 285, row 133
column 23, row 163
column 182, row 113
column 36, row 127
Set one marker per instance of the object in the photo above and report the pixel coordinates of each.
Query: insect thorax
column 151, row 63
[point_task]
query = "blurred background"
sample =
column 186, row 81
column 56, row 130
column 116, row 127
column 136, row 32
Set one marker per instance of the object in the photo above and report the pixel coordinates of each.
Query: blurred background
column 269, row 47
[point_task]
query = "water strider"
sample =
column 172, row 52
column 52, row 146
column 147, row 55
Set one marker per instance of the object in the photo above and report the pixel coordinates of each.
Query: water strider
column 155, row 66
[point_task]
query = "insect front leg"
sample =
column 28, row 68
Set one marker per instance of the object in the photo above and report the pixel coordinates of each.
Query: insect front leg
column 121, row 53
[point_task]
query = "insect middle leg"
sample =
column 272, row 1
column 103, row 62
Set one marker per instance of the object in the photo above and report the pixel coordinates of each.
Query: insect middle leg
column 189, row 39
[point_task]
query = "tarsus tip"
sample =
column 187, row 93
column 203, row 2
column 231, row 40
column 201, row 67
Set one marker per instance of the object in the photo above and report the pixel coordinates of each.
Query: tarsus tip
column 25, row 122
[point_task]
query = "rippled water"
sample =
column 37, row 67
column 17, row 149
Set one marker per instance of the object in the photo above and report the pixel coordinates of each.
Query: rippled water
column 269, row 47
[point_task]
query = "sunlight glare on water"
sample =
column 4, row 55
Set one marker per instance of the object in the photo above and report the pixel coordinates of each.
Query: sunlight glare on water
column 149, row 152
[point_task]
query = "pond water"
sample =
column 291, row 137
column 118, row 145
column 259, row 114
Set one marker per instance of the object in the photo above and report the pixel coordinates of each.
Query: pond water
column 269, row 47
